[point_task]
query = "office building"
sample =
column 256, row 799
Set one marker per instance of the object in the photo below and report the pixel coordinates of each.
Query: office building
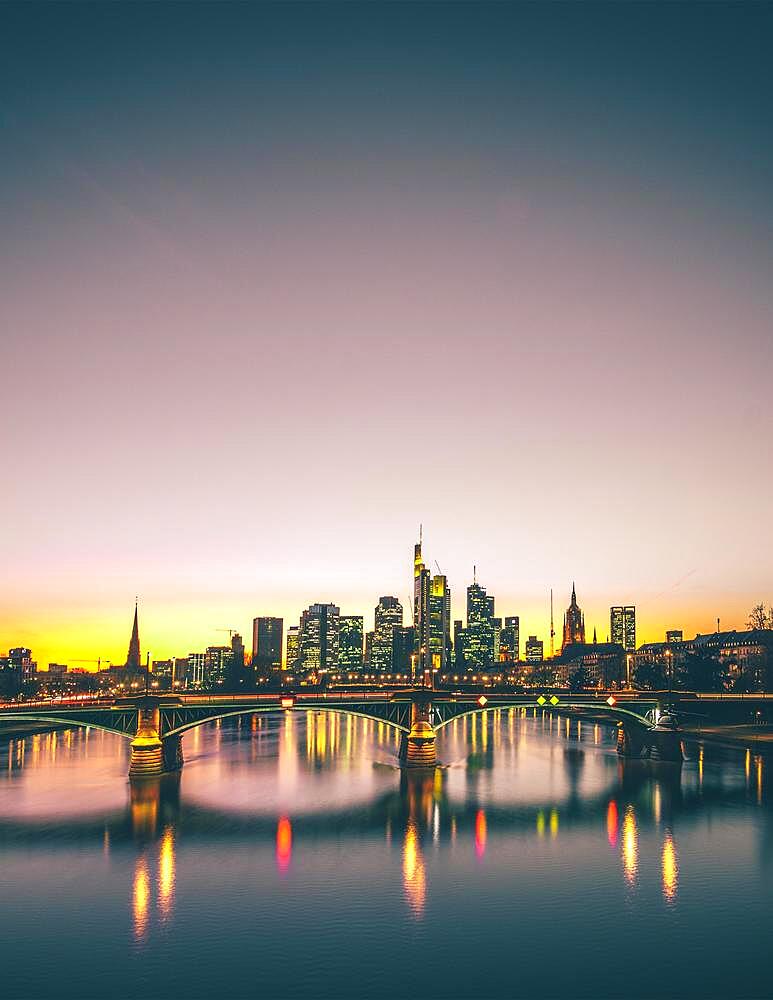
column 440, row 623
column 350, row 639
column 293, row 653
column 387, row 617
column 319, row 638
column 509, row 640
column 478, row 637
column 267, row 635
column 421, row 593
column 403, row 645
column 534, row 650
column 196, row 669
column 622, row 626
column 674, row 635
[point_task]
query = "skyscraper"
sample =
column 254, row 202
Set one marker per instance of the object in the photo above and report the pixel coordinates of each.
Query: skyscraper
column 387, row 617
column 267, row 643
column 574, row 623
column 133, row 655
column 403, row 639
column 350, row 638
column 509, row 640
column 478, row 637
column 421, row 590
column 293, row 652
column 622, row 626
column 440, row 623
column 458, row 645
column 319, row 637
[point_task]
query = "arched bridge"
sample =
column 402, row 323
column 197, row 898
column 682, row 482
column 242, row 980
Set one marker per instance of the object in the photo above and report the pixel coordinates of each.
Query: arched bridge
column 155, row 724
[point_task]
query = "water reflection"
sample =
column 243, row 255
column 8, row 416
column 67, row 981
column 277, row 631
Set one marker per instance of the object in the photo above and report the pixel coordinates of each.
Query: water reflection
column 481, row 833
column 166, row 873
column 630, row 847
column 502, row 781
column 414, row 872
column 284, row 843
column 141, row 897
column 670, row 868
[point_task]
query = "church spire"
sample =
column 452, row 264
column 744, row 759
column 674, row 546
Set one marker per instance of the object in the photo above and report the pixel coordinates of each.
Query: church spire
column 133, row 656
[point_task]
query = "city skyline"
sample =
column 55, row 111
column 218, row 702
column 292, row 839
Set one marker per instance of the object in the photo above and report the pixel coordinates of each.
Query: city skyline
column 600, row 627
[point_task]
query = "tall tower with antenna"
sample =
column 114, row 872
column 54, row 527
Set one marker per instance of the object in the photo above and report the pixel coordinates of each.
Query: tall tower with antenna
column 552, row 630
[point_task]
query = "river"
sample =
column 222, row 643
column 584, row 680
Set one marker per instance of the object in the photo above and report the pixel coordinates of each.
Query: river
column 292, row 857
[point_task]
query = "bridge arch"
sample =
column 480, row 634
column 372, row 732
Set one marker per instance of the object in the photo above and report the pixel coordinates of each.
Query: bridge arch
column 214, row 716
column 69, row 722
column 605, row 714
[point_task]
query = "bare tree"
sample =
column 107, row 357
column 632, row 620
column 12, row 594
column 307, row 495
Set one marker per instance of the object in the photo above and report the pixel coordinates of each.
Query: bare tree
column 760, row 618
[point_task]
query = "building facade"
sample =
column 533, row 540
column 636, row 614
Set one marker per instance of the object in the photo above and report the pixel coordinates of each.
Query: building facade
column 622, row 626
column 350, row 642
column 267, row 643
column 319, row 638
column 388, row 616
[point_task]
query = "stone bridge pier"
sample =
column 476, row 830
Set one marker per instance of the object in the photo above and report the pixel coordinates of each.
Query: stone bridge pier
column 417, row 747
column 150, row 754
column 653, row 744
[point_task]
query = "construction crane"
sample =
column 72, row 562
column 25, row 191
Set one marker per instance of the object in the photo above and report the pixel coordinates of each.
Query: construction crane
column 98, row 661
column 231, row 631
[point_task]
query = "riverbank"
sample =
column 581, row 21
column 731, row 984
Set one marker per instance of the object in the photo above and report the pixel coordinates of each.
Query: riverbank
column 758, row 738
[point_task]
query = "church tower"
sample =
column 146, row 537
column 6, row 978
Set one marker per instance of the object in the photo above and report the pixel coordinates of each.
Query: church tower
column 574, row 623
column 133, row 656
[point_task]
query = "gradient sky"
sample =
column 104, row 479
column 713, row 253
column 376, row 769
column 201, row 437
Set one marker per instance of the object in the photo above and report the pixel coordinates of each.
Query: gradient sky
column 279, row 282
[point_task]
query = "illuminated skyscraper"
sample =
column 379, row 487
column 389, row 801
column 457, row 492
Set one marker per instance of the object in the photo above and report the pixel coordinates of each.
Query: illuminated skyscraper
column 622, row 626
column 267, row 643
column 478, row 637
column 293, row 651
column 509, row 640
column 216, row 661
column 319, row 637
column 421, row 592
column 440, row 623
column 574, row 623
column 133, row 655
column 350, row 638
column 388, row 616
column 458, row 645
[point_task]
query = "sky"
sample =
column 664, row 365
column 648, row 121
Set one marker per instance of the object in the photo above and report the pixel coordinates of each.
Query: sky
column 280, row 282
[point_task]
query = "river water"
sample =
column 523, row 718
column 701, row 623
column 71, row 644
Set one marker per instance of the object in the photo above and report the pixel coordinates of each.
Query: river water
column 291, row 857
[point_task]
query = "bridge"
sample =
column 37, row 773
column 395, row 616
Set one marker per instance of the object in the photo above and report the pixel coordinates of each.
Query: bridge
column 155, row 724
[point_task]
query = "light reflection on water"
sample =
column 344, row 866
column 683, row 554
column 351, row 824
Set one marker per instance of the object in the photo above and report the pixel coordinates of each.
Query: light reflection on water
column 298, row 832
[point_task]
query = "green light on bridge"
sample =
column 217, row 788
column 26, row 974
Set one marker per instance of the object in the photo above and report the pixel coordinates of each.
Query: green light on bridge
column 541, row 700
column 554, row 700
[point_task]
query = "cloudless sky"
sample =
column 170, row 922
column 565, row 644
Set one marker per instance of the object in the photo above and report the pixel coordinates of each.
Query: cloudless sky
column 279, row 282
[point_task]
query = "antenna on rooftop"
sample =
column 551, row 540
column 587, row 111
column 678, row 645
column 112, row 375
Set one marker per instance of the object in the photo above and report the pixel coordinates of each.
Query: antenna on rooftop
column 552, row 630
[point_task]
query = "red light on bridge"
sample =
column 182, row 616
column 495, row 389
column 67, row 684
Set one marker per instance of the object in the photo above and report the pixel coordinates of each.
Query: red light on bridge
column 483, row 700
column 611, row 700
column 288, row 702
